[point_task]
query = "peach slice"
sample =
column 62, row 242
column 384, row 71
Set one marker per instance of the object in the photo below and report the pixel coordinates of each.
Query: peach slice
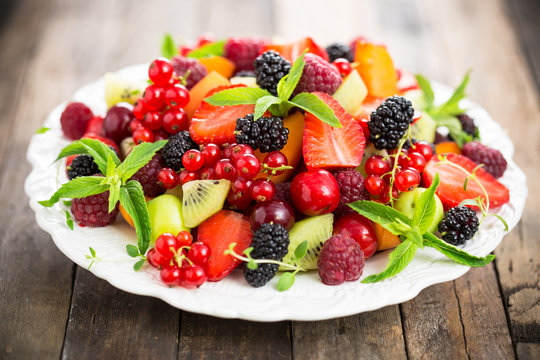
column 199, row 91
column 218, row 64
column 385, row 239
column 376, row 69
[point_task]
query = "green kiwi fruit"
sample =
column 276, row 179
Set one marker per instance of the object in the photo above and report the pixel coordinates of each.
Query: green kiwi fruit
column 119, row 89
column 316, row 230
column 202, row 199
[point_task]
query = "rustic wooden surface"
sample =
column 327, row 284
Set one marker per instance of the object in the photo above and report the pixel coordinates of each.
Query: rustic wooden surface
column 50, row 308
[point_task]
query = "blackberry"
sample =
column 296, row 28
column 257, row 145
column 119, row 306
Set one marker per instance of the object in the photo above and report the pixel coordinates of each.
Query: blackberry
column 493, row 161
column 389, row 122
column 177, row 145
column 82, row 165
column 468, row 125
column 267, row 133
column 270, row 67
column 271, row 242
column 459, row 225
column 338, row 50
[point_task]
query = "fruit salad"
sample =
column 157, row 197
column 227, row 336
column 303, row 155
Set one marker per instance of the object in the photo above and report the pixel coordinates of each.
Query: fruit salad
column 279, row 158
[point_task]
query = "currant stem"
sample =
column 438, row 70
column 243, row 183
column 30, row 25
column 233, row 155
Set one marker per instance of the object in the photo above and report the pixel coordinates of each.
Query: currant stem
column 395, row 166
column 233, row 253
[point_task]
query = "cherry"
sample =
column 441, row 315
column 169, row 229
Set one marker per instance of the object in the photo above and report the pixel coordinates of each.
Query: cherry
column 377, row 165
column 154, row 97
column 116, row 123
column 199, row 253
column 276, row 159
column 248, row 166
column 224, row 169
column 184, row 176
column 315, row 192
column 407, row 180
column 360, row 229
column 211, row 154
column 152, row 120
column 175, row 120
column 343, row 66
column 237, row 151
column 374, row 185
column 164, row 243
column 168, row 178
column 150, row 258
column 170, row 275
column 160, row 72
column 263, row 190
column 192, row 160
column 275, row 211
column 141, row 135
column 184, row 238
column 192, row 276
column 139, row 109
column 177, row 96
column 416, row 161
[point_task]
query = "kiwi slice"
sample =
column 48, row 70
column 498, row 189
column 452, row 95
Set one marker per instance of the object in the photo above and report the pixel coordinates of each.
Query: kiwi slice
column 202, row 199
column 119, row 89
column 316, row 230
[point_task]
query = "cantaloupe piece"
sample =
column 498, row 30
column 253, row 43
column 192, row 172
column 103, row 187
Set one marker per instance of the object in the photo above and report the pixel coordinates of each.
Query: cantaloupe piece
column 219, row 64
column 199, row 91
column 385, row 239
column 376, row 68
column 447, row 147
column 351, row 93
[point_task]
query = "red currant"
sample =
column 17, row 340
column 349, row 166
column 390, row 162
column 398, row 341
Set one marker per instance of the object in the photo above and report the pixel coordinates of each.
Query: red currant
column 377, row 165
column 154, row 97
column 162, row 260
column 248, row 166
column 184, row 238
column 211, row 154
column 141, row 135
column 160, row 135
column 242, row 185
column 402, row 157
column 228, row 151
column 152, row 120
column 343, row 66
column 199, row 253
column 385, row 196
column 170, row 275
column 206, row 174
column 239, row 200
column 160, row 72
column 407, row 180
column 164, row 243
column 237, row 151
column 192, row 160
column 168, row 178
column 139, row 109
column 134, row 125
column 177, row 96
column 374, row 185
column 175, row 120
column 416, row 161
column 423, row 148
column 263, row 190
column 185, row 176
column 192, row 276
column 275, row 159
column 224, row 169
column 150, row 258
column 186, row 49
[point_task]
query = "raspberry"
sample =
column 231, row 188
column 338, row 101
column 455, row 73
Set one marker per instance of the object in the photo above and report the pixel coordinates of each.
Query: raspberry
column 494, row 162
column 75, row 119
column 270, row 241
column 243, row 52
column 459, row 225
column 182, row 65
column 283, row 192
column 318, row 75
column 341, row 259
column 389, row 122
column 147, row 176
column 93, row 210
column 82, row 165
column 175, row 148
column 468, row 125
column 339, row 51
column 270, row 67
column 267, row 133
column 351, row 189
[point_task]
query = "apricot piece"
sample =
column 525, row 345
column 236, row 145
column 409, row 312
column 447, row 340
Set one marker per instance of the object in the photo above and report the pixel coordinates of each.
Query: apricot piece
column 376, row 68
column 126, row 216
column 385, row 239
column 218, row 64
column 447, row 147
column 199, row 91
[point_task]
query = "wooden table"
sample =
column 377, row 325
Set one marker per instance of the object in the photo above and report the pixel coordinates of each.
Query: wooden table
column 50, row 308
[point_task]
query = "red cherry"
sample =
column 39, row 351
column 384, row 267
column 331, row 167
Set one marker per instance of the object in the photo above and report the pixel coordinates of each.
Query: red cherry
column 343, row 66
column 276, row 159
column 192, row 160
column 416, row 161
column 237, row 151
column 377, row 165
column 407, row 180
column 177, row 96
column 199, row 253
column 154, row 97
column 374, row 185
column 248, row 166
column 184, row 238
column 152, row 120
column 175, row 120
column 150, row 258
column 139, row 109
column 184, row 176
column 315, row 192
column 263, row 190
column 170, row 275
column 275, row 211
column 160, row 72
column 224, row 169
column 360, row 229
column 423, row 148
column 142, row 135
column 168, row 178
column 164, row 243
column 192, row 276
column 211, row 154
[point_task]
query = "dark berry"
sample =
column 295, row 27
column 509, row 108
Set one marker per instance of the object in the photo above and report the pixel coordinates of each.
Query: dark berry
column 196, row 70
column 93, row 210
column 75, row 119
column 468, row 125
column 270, row 67
column 283, row 192
column 243, row 52
column 338, row 50
column 318, row 75
column 267, row 133
column 148, row 177
column 493, row 161
column 351, row 189
column 459, row 225
column 341, row 259
column 389, row 122
column 175, row 148
column 82, row 165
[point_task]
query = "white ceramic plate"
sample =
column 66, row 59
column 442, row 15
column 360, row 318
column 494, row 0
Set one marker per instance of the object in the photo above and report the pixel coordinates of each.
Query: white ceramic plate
column 308, row 299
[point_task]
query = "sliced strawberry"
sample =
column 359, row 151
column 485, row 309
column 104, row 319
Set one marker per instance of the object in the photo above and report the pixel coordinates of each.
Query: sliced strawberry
column 369, row 105
column 216, row 124
column 105, row 140
column 406, row 81
column 219, row 232
column 291, row 51
column 95, row 125
column 331, row 147
column 451, row 188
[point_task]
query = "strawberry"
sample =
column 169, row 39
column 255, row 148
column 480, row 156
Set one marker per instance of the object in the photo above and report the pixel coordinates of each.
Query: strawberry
column 451, row 188
column 406, row 81
column 105, row 140
column 216, row 124
column 291, row 51
column 331, row 147
column 218, row 232
column 95, row 125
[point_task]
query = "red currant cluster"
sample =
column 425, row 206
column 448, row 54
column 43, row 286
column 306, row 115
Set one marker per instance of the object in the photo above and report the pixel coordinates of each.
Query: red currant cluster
column 343, row 66
column 160, row 112
column 181, row 262
column 398, row 172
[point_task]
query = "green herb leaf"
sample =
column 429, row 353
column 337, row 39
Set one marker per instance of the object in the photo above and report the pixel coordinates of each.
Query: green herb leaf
column 213, row 49
column 416, row 237
column 425, row 207
column 381, row 214
column 168, row 48
column 427, row 91
column 133, row 201
column 77, row 188
column 237, row 96
column 312, row 104
column 42, row 130
column 69, row 220
column 286, row 280
column 132, row 250
column 67, row 203
column 398, row 260
column 502, row 220
column 92, row 251
column 138, row 265
column 138, row 157
column 454, row 128
column 451, row 106
column 287, row 84
column 470, row 202
column 114, row 195
column 454, row 253
column 301, row 250
column 263, row 104
column 98, row 150
column 111, row 166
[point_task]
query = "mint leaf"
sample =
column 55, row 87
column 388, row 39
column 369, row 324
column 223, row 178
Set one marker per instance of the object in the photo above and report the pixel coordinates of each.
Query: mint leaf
column 312, row 104
column 382, row 215
column 138, row 265
column 263, row 104
column 427, row 91
column 42, row 130
column 133, row 201
column 77, row 188
column 69, row 220
column 454, row 128
column 139, row 156
column 92, row 251
column 111, row 166
column 95, row 148
column 425, row 207
column 454, row 253
column 66, row 202
column 398, row 260
column 451, row 106
column 285, row 281
column 114, row 195
column 213, row 49
column 168, row 48
column 301, row 250
column 237, row 96
column 287, row 84
column 416, row 237
column 132, row 250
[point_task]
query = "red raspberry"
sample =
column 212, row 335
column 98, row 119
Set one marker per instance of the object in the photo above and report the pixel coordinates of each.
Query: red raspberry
column 93, row 210
column 182, row 64
column 351, row 189
column 341, row 259
column 148, row 177
column 318, row 75
column 75, row 119
column 493, row 160
column 243, row 52
column 283, row 192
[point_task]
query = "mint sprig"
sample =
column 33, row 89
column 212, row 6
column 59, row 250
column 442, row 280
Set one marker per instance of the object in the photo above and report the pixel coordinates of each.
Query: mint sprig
column 216, row 48
column 168, row 47
column 116, row 180
column 281, row 104
column 413, row 233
